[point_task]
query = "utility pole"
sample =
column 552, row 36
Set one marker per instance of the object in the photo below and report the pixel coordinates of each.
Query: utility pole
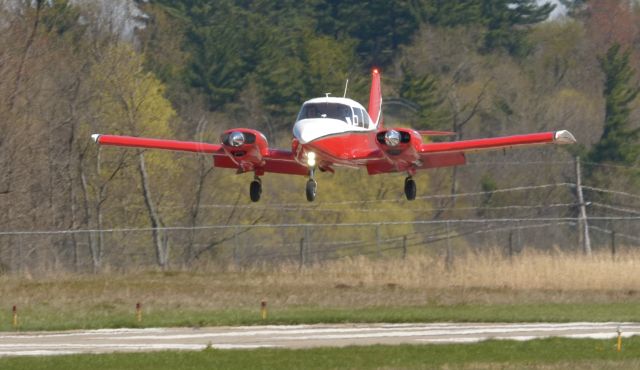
column 582, row 220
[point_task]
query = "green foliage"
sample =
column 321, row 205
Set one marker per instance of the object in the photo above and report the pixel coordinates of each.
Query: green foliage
column 162, row 44
column 379, row 26
column 129, row 95
column 574, row 7
column 131, row 101
column 294, row 50
column 222, row 49
column 424, row 92
column 503, row 19
column 451, row 13
column 619, row 141
column 119, row 314
column 488, row 184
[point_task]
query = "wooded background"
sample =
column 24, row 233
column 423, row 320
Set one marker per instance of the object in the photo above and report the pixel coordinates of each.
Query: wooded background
column 189, row 69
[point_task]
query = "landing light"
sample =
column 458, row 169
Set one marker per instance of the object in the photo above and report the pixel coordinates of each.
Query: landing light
column 236, row 139
column 392, row 138
column 311, row 159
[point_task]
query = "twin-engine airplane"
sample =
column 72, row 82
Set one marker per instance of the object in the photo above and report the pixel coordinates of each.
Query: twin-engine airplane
column 338, row 132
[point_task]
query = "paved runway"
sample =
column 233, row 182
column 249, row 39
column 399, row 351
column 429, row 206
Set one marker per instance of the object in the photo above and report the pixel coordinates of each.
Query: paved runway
column 292, row 336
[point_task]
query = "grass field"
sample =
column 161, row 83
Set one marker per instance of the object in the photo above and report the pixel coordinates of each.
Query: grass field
column 537, row 354
column 478, row 287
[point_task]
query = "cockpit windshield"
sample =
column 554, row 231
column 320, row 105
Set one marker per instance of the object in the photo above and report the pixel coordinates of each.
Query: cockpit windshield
column 337, row 111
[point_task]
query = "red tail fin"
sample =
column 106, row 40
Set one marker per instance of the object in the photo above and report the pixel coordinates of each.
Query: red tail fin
column 375, row 98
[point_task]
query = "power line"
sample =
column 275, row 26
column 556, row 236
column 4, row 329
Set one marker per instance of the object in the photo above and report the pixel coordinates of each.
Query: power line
column 298, row 206
column 599, row 190
column 367, row 210
column 613, row 208
column 611, row 165
column 315, row 225
column 609, row 232
column 426, row 197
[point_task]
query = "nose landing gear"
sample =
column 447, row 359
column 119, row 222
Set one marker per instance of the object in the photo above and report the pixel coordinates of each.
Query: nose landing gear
column 255, row 189
column 410, row 188
column 312, row 187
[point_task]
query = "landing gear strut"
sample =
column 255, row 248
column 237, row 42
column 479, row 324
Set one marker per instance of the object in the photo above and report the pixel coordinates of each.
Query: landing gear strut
column 410, row 188
column 255, row 189
column 312, row 187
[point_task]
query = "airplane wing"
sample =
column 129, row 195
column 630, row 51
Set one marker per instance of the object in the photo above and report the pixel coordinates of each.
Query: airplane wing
column 251, row 154
column 142, row 142
column 410, row 153
column 452, row 153
column 465, row 146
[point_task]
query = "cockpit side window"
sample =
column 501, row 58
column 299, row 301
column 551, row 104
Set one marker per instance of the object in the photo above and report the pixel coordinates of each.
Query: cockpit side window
column 367, row 122
column 326, row 110
column 358, row 115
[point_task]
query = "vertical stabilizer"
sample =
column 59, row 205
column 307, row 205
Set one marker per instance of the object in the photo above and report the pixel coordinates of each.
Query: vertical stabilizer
column 375, row 98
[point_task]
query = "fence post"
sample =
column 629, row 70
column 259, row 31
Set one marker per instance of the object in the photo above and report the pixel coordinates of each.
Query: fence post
column 583, row 222
column 448, row 260
column 404, row 247
column 378, row 240
column 20, row 257
column 519, row 237
column 510, row 250
column 307, row 247
column 235, row 245
column 301, row 253
column 613, row 245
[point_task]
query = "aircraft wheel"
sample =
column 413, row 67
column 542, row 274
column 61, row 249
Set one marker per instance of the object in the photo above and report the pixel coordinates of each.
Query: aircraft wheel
column 312, row 187
column 255, row 190
column 410, row 188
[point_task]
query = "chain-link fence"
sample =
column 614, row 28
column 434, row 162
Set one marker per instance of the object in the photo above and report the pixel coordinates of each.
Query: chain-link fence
column 552, row 216
column 124, row 250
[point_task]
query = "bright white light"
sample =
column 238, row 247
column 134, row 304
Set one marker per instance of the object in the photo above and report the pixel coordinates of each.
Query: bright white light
column 311, row 159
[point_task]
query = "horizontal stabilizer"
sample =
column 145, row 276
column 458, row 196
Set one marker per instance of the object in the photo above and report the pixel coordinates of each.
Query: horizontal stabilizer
column 436, row 133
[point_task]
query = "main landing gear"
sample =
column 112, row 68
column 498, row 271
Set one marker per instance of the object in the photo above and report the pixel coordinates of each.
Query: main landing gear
column 312, row 187
column 255, row 189
column 410, row 188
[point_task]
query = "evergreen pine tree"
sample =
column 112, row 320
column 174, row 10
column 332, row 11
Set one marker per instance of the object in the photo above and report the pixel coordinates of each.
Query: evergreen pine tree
column 504, row 20
column 619, row 142
column 422, row 91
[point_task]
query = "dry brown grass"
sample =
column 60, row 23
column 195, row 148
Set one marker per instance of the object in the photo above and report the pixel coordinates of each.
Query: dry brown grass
column 532, row 277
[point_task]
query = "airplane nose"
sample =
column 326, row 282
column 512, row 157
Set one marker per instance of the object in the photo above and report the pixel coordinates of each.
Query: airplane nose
column 303, row 131
column 308, row 130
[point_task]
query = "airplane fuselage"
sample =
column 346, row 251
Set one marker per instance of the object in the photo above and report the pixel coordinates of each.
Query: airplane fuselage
column 338, row 131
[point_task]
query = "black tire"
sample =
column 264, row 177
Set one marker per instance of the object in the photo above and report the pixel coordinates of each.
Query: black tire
column 410, row 188
column 255, row 190
column 312, row 187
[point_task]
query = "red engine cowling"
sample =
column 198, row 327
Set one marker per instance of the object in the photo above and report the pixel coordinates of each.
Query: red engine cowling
column 401, row 146
column 244, row 149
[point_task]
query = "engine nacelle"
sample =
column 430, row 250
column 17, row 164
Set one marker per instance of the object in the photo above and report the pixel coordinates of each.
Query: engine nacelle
column 401, row 146
column 246, row 148
column 395, row 142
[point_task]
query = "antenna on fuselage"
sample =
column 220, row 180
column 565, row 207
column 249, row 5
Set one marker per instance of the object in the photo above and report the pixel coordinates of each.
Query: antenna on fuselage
column 346, row 85
column 327, row 94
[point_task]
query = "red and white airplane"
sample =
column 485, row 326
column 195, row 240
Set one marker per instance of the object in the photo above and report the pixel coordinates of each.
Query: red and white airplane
column 338, row 132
